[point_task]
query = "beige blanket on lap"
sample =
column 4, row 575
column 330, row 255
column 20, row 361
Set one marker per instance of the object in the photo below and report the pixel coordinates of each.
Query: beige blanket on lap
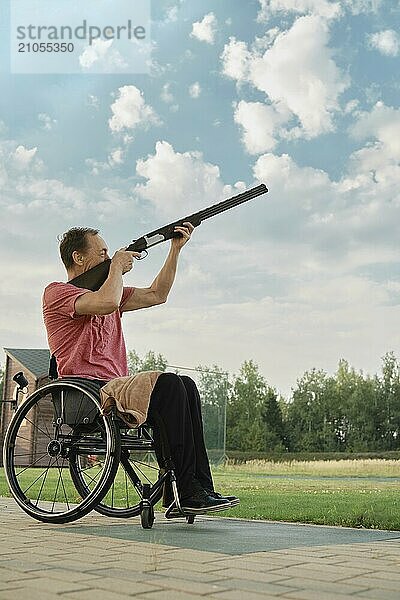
column 130, row 395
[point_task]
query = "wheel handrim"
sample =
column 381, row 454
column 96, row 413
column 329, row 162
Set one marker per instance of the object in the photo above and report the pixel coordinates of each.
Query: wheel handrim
column 38, row 447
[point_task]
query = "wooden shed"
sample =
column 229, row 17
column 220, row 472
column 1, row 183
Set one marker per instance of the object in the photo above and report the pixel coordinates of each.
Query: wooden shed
column 34, row 362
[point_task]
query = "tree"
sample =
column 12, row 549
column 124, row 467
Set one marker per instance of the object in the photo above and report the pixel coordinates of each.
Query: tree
column 214, row 388
column 254, row 418
column 150, row 362
column 365, row 417
column 275, row 431
column 314, row 415
column 389, row 400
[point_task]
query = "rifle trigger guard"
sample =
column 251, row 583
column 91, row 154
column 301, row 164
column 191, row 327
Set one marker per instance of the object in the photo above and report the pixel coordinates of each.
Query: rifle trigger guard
column 142, row 257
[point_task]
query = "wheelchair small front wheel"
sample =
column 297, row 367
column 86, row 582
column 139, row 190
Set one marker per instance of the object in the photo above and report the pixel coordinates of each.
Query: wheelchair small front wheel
column 147, row 516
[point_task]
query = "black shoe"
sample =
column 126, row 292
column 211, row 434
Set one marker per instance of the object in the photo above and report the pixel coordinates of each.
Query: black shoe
column 234, row 500
column 199, row 501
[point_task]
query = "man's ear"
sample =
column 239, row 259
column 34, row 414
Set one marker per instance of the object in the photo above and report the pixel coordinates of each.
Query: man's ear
column 77, row 257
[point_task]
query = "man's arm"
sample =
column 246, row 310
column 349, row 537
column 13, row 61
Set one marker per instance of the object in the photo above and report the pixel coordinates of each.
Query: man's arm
column 108, row 298
column 158, row 292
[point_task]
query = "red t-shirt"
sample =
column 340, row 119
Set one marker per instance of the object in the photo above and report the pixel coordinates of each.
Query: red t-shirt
column 90, row 346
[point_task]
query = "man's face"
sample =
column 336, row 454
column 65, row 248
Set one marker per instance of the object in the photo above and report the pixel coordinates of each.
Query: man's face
column 96, row 252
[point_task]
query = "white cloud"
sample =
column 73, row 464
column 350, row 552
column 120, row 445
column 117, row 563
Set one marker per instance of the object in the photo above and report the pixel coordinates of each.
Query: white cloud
column 101, row 53
column 315, row 323
column 111, row 202
column 193, row 181
column 359, row 7
column 322, row 8
column 347, row 224
column 297, row 72
column 266, row 40
column 48, row 194
column 351, row 106
column 47, row 121
column 94, row 52
column 381, row 126
column 288, row 182
column 96, row 166
column 166, row 95
column 259, row 123
column 130, row 110
column 116, row 157
column 172, row 14
column 195, row 90
column 93, row 101
column 236, row 59
column 387, row 42
column 206, row 29
column 22, row 157
column 28, row 191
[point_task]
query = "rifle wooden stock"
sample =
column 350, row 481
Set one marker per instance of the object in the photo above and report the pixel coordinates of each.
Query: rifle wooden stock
column 95, row 277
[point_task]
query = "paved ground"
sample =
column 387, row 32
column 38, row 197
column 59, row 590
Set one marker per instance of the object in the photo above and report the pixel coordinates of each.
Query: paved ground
column 225, row 559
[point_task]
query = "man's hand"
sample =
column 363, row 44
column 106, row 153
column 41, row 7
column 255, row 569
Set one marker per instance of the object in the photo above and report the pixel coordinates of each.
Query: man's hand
column 186, row 232
column 123, row 260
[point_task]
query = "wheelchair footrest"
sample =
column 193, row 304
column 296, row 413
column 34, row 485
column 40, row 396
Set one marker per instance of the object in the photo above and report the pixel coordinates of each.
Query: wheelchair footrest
column 173, row 512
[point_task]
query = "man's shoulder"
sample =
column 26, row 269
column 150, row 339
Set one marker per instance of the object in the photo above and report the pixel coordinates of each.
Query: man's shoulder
column 61, row 285
column 61, row 290
column 55, row 286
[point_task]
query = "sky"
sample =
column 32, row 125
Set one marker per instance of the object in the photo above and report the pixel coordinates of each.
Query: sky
column 302, row 95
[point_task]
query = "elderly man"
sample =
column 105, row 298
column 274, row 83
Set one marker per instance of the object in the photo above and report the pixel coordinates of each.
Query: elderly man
column 85, row 335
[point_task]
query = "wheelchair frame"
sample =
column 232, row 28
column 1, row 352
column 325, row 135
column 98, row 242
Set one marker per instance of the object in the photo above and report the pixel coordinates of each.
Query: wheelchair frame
column 95, row 458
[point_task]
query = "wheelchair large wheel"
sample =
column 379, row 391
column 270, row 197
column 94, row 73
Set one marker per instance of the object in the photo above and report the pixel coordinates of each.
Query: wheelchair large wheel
column 58, row 424
column 138, row 467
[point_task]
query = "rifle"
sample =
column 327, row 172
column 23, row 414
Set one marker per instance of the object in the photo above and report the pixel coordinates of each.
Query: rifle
column 94, row 278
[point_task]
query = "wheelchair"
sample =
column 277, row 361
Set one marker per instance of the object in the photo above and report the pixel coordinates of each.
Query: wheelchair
column 63, row 458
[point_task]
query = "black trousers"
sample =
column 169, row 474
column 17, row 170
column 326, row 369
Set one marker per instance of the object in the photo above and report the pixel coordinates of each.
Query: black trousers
column 176, row 400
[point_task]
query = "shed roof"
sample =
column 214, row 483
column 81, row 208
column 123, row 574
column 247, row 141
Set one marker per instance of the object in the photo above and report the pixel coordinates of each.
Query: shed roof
column 36, row 360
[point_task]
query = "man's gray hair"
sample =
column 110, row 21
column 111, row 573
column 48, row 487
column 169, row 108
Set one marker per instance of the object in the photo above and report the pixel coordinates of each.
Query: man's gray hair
column 74, row 240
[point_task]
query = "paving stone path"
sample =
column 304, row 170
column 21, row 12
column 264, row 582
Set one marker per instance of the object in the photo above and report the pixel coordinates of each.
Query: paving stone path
column 219, row 559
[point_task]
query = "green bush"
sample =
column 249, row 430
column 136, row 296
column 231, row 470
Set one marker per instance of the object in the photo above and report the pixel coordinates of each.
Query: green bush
column 237, row 456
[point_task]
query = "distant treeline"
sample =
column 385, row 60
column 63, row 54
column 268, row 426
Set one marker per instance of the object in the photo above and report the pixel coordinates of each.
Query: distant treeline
column 345, row 412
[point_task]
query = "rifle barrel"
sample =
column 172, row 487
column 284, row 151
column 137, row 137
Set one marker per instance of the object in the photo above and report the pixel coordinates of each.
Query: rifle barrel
column 95, row 277
column 211, row 211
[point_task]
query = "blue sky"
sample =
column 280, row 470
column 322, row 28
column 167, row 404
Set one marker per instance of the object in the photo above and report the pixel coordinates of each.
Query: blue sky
column 300, row 94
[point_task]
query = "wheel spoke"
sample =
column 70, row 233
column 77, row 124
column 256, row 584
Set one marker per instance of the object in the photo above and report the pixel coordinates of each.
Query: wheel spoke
column 37, row 427
column 142, row 473
column 91, row 477
column 56, row 492
column 44, row 422
column 126, row 489
column 37, row 478
column 31, row 465
column 62, row 482
column 26, row 454
column 138, row 462
column 43, row 482
column 23, row 438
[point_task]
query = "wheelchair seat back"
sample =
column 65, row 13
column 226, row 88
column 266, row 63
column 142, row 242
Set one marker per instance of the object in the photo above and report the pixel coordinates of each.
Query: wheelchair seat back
column 71, row 404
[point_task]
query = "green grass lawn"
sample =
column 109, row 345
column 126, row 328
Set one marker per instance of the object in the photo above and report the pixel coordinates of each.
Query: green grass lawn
column 348, row 493
column 362, row 493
